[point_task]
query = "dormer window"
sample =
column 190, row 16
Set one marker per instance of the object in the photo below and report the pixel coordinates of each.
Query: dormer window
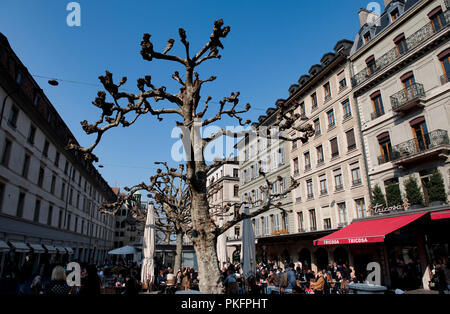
column 437, row 19
column 367, row 37
column 394, row 15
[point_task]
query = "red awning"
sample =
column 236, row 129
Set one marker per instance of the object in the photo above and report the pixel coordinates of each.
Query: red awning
column 440, row 215
column 367, row 231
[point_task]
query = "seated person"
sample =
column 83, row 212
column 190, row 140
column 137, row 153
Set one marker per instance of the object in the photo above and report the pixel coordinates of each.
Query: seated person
column 273, row 282
column 318, row 285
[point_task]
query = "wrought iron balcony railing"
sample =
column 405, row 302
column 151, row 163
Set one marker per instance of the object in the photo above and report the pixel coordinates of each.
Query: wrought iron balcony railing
column 392, row 55
column 401, row 99
column 310, row 196
column 420, row 144
column 339, row 187
column 347, row 117
column 375, row 115
column 314, row 107
column 298, row 199
column 383, row 159
column 327, row 98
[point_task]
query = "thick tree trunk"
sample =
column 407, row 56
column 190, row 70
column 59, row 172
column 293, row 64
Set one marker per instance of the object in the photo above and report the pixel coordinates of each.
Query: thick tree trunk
column 178, row 252
column 204, row 240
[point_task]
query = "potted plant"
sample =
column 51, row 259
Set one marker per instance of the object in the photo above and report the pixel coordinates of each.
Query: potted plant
column 436, row 189
column 413, row 193
column 378, row 196
column 393, row 194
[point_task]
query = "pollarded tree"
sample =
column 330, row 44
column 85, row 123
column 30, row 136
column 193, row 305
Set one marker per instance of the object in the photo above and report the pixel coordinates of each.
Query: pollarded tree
column 117, row 110
column 170, row 197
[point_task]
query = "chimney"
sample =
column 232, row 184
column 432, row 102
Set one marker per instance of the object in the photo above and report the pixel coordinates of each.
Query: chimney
column 365, row 16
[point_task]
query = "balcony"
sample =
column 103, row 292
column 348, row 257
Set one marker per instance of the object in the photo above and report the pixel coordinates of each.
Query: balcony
column 323, row 192
column 280, row 232
column 339, row 187
column 327, row 98
column 310, row 196
column 298, row 199
column 408, row 99
column 383, row 159
column 375, row 115
column 392, row 55
column 356, row 182
column 432, row 144
column 331, row 126
column 296, row 172
column 307, row 168
column 314, row 108
column 347, row 117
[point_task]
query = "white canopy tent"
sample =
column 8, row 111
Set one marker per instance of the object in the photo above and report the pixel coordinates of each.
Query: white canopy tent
column 124, row 250
column 148, row 247
column 248, row 250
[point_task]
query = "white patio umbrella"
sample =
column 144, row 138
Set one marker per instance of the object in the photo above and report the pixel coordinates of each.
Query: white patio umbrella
column 222, row 247
column 148, row 247
column 248, row 250
column 124, row 250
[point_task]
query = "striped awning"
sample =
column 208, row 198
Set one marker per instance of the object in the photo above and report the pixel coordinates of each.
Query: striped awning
column 50, row 248
column 37, row 248
column 19, row 246
column 4, row 246
column 61, row 250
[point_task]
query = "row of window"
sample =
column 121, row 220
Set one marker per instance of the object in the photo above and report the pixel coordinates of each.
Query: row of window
column 12, row 122
column 322, row 183
column 437, row 20
column 257, row 195
column 64, row 219
column 343, row 217
column 272, row 161
column 327, row 94
column 334, row 150
column 346, row 111
column 271, row 224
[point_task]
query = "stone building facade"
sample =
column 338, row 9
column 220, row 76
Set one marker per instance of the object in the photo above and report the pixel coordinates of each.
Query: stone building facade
column 400, row 75
column 48, row 196
column 223, row 187
column 272, row 155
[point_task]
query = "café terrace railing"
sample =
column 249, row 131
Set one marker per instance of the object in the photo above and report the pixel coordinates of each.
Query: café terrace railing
column 403, row 97
column 413, row 147
column 392, row 55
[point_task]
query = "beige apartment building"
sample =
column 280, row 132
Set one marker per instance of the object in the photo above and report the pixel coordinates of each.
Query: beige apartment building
column 400, row 78
column 329, row 166
column 271, row 155
column 49, row 197
column 223, row 188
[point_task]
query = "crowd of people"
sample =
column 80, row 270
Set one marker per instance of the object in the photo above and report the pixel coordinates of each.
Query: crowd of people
column 289, row 278
column 51, row 279
column 269, row 278
column 168, row 282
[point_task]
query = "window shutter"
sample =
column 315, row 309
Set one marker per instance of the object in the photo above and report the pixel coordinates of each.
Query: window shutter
column 334, row 147
column 350, row 138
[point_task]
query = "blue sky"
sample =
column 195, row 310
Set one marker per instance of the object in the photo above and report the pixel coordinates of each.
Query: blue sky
column 271, row 44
